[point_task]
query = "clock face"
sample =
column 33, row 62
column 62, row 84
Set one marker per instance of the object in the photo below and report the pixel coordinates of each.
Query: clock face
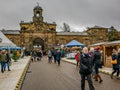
column 38, row 15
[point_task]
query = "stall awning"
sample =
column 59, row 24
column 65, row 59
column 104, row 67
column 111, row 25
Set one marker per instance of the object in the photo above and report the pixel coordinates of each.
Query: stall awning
column 74, row 43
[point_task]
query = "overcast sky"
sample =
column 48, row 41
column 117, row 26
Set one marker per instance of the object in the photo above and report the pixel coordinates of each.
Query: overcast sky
column 78, row 14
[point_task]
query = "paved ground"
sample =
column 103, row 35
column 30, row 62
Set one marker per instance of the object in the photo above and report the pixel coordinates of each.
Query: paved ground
column 106, row 70
column 9, row 79
column 45, row 76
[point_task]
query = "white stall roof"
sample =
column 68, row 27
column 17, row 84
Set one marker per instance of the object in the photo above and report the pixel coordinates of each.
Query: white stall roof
column 5, row 40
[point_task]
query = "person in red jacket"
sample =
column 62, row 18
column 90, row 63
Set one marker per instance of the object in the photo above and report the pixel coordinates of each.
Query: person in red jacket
column 77, row 57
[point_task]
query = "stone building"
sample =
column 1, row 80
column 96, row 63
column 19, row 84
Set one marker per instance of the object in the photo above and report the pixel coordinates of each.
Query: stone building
column 38, row 33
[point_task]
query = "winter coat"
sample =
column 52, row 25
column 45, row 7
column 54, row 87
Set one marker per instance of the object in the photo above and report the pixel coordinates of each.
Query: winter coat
column 85, row 61
column 119, row 58
column 58, row 56
column 34, row 54
column 39, row 54
column 8, row 59
column 77, row 57
column 114, row 56
column 97, row 58
column 50, row 54
column 3, row 58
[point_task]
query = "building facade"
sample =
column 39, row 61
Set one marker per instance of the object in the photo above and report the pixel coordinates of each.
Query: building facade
column 38, row 33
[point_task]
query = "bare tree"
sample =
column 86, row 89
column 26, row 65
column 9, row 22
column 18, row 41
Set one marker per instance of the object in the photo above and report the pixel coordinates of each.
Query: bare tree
column 66, row 27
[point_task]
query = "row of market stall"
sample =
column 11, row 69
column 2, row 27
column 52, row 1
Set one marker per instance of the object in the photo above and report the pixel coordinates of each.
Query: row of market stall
column 106, row 49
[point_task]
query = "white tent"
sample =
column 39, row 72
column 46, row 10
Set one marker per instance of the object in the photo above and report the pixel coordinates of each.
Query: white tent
column 5, row 41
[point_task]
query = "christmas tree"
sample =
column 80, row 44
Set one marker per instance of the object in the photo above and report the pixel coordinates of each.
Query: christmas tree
column 15, row 57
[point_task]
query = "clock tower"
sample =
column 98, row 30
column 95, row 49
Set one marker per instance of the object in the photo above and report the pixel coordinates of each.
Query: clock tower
column 37, row 14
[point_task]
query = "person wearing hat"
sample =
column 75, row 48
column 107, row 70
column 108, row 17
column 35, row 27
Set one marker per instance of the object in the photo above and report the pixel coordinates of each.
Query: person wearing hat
column 97, row 63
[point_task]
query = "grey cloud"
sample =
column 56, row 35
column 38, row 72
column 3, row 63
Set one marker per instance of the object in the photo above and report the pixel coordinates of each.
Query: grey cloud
column 77, row 13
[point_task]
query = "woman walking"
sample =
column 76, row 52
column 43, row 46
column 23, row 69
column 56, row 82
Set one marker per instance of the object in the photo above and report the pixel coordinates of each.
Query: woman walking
column 116, row 56
column 49, row 56
column 77, row 58
column 97, row 64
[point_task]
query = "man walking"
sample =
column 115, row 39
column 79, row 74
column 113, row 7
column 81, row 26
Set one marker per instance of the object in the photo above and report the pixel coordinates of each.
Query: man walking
column 86, row 69
column 58, row 56
column 8, row 60
column 3, row 60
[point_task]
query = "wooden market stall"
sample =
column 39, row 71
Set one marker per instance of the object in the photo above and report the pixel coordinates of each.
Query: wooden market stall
column 106, row 48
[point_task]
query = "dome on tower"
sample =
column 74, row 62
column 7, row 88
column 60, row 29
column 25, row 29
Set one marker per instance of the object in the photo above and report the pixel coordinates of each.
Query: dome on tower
column 37, row 7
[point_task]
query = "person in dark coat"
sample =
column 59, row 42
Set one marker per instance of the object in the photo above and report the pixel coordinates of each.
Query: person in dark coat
column 58, row 56
column 97, row 63
column 116, row 55
column 8, row 59
column 34, row 55
column 39, row 55
column 86, row 69
column 49, row 56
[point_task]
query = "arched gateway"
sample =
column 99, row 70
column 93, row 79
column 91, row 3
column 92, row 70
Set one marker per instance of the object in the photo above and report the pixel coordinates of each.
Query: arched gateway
column 38, row 43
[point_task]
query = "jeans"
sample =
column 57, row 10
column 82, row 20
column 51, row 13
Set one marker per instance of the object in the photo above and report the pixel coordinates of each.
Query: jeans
column 58, row 62
column 97, row 66
column 3, row 66
column 116, row 70
column 83, row 77
column 8, row 65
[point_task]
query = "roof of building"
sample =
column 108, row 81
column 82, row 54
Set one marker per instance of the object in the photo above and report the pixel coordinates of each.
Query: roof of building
column 5, row 41
column 11, row 31
column 97, row 27
column 71, row 33
column 106, row 43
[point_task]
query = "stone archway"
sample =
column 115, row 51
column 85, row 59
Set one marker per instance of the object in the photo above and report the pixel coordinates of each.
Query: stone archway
column 38, row 42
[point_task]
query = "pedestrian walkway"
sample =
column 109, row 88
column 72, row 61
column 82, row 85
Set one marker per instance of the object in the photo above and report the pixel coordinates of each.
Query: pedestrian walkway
column 106, row 70
column 9, row 79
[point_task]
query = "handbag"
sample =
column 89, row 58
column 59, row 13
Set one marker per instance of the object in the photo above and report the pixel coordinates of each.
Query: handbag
column 84, row 67
column 114, row 61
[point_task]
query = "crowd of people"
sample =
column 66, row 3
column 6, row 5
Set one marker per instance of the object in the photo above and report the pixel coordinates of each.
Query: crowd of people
column 52, row 54
column 90, row 61
column 36, row 55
